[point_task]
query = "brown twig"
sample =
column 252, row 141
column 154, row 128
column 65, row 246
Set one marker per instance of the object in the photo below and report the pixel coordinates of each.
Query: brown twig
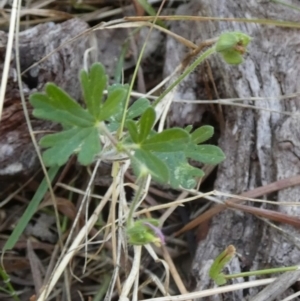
column 180, row 285
column 257, row 192
column 195, row 52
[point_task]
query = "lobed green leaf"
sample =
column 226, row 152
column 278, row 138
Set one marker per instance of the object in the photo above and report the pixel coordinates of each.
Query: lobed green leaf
column 209, row 154
column 146, row 123
column 138, row 108
column 144, row 162
column 132, row 129
column 135, row 110
column 58, row 106
column 188, row 128
column 118, row 112
column 57, row 138
column 90, row 147
column 170, row 140
column 60, row 151
column 182, row 174
column 202, row 134
column 93, row 85
column 112, row 103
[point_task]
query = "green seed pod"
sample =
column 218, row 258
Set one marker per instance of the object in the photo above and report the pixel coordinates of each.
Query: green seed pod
column 227, row 41
column 243, row 39
column 140, row 236
column 232, row 57
column 145, row 231
column 216, row 268
column 232, row 46
column 230, row 40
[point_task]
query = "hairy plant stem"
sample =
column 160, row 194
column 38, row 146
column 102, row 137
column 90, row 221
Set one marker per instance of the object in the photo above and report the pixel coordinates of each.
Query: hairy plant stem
column 137, row 197
column 186, row 72
column 9, row 286
column 262, row 272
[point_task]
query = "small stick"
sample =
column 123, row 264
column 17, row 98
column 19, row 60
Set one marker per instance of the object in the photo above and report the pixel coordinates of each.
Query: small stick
column 281, row 284
column 180, row 285
column 256, row 192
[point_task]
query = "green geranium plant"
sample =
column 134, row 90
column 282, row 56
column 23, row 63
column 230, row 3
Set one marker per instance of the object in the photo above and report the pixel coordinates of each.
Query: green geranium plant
column 92, row 131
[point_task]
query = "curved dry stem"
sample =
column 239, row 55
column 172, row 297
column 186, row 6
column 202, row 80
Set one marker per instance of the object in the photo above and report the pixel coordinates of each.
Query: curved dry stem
column 132, row 275
column 12, row 25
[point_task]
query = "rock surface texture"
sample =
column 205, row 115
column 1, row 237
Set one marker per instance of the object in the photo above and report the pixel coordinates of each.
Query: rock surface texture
column 17, row 154
column 261, row 146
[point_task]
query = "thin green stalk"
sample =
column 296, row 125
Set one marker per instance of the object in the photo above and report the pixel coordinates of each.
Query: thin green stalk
column 138, row 63
column 10, row 288
column 151, row 11
column 120, row 63
column 137, row 196
column 269, row 22
column 286, row 4
column 31, row 208
column 187, row 71
column 262, row 272
column 103, row 288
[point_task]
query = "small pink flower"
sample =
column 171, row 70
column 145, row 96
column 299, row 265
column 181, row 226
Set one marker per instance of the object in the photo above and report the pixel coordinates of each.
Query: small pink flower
column 157, row 231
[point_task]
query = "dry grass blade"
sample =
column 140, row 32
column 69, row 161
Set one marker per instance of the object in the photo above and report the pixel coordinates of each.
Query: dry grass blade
column 268, row 22
column 12, row 26
column 74, row 247
column 171, row 209
column 269, row 214
column 98, row 14
column 257, row 192
column 233, row 196
column 214, row 291
column 174, row 203
column 12, row 195
column 35, row 266
column 78, row 191
column 154, row 256
column 45, row 13
column 232, row 100
column 292, row 297
column 174, row 272
column 276, row 288
column 156, row 280
column 40, row 3
column 222, row 102
column 179, row 38
column 132, row 275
